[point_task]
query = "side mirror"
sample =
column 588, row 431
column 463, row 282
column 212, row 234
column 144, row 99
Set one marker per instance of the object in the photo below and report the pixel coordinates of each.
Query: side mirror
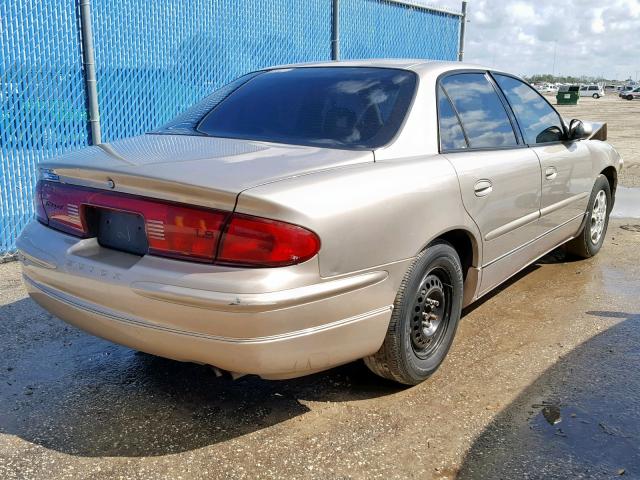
column 579, row 130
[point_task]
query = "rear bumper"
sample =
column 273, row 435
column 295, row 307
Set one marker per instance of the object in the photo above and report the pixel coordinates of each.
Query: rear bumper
column 276, row 323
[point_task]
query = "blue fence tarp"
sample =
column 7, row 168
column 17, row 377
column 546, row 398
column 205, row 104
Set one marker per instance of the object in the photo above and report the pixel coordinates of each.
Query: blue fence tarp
column 154, row 59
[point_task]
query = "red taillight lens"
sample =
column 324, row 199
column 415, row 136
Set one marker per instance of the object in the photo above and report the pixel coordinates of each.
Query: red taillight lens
column 173, row 230
column 183, row 232
column 258, row 241
column 180, row 231
column 62, row 205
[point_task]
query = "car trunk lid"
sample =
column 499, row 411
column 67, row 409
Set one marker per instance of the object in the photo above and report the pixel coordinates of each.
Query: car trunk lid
column 193, row 169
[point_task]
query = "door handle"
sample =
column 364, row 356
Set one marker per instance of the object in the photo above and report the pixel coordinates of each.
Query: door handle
column 482, row 188
column 550, row 173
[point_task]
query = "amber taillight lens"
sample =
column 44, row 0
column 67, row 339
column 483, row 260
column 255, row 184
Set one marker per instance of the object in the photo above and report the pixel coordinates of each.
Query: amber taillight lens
column 180, row 231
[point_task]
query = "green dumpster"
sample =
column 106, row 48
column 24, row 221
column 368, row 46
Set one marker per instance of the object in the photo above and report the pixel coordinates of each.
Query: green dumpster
column 568, row 95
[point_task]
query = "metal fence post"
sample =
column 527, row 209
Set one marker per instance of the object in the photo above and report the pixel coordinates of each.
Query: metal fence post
column 463, row 24
column 335, row 31
column 89, row 64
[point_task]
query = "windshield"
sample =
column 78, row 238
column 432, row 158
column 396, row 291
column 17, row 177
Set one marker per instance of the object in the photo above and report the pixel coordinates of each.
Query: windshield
column 340, row 107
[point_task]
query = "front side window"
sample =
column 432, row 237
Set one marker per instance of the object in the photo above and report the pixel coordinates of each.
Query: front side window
column 538, row 121
column 484, row 118
column 451, row 135
column 336, row 107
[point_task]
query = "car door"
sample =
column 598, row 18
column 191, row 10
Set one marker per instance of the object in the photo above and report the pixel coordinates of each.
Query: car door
column 499, row 176
column 566, row 175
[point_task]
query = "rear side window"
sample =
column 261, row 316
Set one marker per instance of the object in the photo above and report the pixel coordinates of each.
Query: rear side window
column 451, row 135
column 538, row 121
column 339, row 107
column 484, row 118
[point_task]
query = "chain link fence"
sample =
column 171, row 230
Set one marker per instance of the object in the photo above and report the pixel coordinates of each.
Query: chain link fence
column 155, row 59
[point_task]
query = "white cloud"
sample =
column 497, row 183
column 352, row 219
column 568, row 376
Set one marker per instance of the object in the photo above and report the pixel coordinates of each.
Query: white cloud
column 597, row 24
column 523, row 12
column 590, row 37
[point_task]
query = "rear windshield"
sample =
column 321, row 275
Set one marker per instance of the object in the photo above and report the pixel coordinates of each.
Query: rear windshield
column 340, row 107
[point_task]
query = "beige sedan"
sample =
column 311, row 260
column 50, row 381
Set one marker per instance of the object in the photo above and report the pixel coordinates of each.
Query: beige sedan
column 306, row 216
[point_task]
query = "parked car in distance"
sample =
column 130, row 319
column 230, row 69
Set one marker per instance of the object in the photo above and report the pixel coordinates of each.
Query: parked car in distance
column 547, row 88
column 306, row 216
column 595, row 91
column 631, row 94
column 624, row 89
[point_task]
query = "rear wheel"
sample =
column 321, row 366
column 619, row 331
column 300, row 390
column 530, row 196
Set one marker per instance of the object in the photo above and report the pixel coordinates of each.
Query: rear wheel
column 425, row 317
column 596, row 96
column 629, row 97
column 590, row 240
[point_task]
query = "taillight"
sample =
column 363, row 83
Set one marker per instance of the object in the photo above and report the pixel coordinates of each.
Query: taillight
column 173, row 230
column 255, row 241
column 180, row 231
column 41, row 214
column 183, row 232
column 62, row 206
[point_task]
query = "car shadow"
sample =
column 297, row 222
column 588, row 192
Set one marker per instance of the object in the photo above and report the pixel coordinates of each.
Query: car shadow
column 559, row 255
column 580, row 419
column 67, row 391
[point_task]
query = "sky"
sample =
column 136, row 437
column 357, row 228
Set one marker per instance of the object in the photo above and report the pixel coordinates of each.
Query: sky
column 589, row 37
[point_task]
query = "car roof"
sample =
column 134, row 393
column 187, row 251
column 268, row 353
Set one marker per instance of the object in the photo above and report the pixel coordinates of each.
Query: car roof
column 420, row 65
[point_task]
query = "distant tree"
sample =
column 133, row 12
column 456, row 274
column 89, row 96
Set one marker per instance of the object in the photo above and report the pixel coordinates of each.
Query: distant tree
column 548, row 78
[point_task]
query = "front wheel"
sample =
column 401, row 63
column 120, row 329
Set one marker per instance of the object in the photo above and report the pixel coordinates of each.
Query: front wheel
column 596, row 96
column 425, row 317
column 589, row 241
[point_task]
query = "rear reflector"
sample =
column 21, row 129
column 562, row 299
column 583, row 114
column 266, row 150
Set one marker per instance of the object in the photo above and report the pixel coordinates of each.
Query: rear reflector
column 180, row 231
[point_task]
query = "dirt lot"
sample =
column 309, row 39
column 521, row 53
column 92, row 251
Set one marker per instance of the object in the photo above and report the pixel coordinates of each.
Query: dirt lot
column 623, row 122
column 542, row 382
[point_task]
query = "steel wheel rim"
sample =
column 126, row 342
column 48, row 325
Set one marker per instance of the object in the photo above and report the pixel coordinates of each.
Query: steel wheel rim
column 598, row 217
column 430, row 312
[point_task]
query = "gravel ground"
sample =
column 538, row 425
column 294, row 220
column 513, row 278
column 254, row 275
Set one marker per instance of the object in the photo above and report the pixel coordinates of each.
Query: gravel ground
column 541, row 382
column 623, row 127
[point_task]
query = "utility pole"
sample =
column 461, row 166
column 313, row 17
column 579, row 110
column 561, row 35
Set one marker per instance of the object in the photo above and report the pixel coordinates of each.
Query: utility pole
column 89, row 64
column 335, row 31
column 463, row 24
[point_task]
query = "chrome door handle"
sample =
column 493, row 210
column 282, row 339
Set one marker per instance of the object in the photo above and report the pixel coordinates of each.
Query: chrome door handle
column 482, row 188
column 550, row 173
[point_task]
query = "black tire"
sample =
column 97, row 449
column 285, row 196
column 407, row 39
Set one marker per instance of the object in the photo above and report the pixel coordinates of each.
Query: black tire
column 596, row 96
column 586, row 244
column 629, row 97
column 430, row 292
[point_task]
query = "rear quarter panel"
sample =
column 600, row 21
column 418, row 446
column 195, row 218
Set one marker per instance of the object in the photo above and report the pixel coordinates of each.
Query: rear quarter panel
column 603, row 155
column 367, row 215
